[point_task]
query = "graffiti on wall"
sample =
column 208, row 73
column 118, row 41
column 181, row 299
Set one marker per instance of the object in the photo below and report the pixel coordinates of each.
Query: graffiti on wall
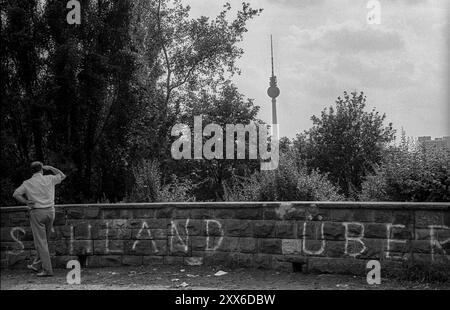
column 177, row 238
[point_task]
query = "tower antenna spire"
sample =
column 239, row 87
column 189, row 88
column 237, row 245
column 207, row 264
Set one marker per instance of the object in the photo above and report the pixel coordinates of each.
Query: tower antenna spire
column 271, row 52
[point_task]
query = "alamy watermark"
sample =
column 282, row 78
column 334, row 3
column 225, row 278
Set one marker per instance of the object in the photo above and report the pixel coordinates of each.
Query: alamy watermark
column 74, row 275
column 74, row 15
column 374, row 14
column 261, row 143
column 374, row 274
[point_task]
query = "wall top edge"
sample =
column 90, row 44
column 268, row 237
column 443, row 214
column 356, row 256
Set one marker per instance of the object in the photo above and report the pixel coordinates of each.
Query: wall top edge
column 445, row 206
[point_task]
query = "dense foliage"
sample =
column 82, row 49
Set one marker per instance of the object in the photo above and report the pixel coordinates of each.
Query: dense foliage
column 290, row 182
column 410, row 172
column 98, row 99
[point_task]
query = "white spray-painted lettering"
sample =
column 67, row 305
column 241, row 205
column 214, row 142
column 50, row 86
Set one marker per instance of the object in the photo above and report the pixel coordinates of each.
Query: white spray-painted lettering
column 357, row 239
column 219, row 240
column 214, row 228
column 71, row 240
column 434, row 242
column 16, row 239
column 175, row 233
column 322, row 247
column 389, row 240
column 139, row 235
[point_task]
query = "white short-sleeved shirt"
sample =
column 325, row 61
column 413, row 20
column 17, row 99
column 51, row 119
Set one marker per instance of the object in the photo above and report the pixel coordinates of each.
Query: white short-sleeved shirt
column 40, row 189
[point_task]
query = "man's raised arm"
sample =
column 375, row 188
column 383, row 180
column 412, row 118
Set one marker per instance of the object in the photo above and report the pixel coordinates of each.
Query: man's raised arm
column 55, row 171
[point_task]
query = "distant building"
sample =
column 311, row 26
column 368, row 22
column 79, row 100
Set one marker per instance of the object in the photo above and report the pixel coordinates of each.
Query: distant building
column 427, row 142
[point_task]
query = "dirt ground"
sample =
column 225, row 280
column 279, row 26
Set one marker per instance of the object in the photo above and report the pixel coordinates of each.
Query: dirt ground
column 165, row 277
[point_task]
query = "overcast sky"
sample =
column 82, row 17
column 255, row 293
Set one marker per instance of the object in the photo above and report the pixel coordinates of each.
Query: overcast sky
column 323, row 47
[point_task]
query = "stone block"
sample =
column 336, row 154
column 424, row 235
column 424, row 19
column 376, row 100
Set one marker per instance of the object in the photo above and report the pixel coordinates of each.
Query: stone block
column 286, row 229
column 247, row 245
column 81, row 247
column 182, row 213
column 229, row 244
column 91, row 212
column 333, row 231
column 144, row 213
column 108, row 246
column 238, row 228
column 127, row 214
column 375, row 230
column 110, row 214
column 197, row 243
column 201, row 213
column 60, row 217
column 173, row 260
column 75, row 213
column 152, row 260
column 262, row 261
column 253, row 213
column 224, row 214
column 337, row 265
column 291, row 246
column 425, row 218
column 82, row 230
column 264, row 229
column 193, row 261
column 132, row 260
column 104, row 261
column 270, row 246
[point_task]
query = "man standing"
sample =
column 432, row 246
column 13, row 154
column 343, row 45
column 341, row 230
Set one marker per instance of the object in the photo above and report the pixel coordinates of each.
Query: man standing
column 38, row 193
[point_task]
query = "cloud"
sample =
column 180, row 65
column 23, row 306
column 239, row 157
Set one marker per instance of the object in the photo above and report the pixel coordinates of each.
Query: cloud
column 350, row 38
column 300, row 3
column 384, row 74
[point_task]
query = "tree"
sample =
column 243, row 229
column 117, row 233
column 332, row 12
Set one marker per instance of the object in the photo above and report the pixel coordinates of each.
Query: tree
column 69, row 88
column 225, row 105
column 191, row 63
column 347, row 142
column 192, row 54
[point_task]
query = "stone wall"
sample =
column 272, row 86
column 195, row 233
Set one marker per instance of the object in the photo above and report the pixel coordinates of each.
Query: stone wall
column 308, row 236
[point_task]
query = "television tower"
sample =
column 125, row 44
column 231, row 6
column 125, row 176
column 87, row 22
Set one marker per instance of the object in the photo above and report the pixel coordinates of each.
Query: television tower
column 273, row 91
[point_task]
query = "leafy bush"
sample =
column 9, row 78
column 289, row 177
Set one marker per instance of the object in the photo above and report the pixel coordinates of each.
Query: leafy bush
column 148, row 187
column 290, row 182
column 176, row 190
column 410, row 172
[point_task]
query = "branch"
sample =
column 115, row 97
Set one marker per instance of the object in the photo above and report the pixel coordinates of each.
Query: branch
column 188, row 74
column 166, row 56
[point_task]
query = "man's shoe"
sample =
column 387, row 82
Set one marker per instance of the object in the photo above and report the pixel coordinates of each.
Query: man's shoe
column 44, row 274
column 33, row 268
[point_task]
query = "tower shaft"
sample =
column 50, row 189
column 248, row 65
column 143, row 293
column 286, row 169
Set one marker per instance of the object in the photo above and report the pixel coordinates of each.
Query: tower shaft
column 274, row 111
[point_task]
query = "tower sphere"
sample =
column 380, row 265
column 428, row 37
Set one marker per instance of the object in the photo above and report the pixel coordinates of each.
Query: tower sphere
column 273, row 91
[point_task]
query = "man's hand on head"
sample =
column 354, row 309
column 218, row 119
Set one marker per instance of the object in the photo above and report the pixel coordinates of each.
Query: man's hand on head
column 54, row 171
